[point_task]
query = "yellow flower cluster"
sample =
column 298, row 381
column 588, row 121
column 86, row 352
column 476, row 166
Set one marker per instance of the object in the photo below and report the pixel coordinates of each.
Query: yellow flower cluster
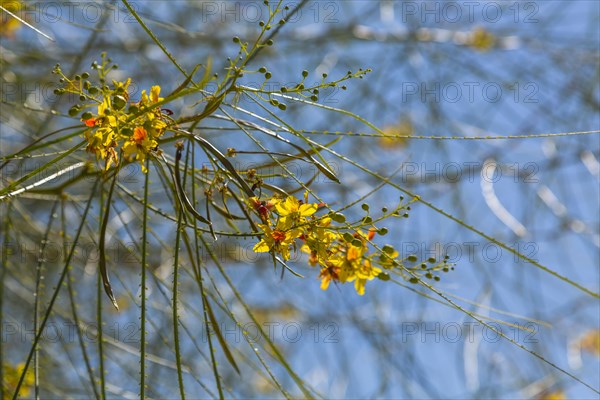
column 342, row 257
column 113, row 127
column 132, row 128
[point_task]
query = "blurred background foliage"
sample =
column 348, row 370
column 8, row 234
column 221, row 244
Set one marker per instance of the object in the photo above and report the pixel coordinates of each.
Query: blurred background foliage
column 443, row 87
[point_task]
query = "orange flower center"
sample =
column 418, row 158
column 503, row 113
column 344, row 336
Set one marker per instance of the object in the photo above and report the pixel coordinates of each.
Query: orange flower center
column 278, row 236
column 139, row 135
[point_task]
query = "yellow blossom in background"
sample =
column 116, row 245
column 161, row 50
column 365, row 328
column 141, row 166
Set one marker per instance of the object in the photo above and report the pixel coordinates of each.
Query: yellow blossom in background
column 554, row 395
column 590, row 342
column 10, row 380
column 393, row 132
column 8, row 23
column 481, row 40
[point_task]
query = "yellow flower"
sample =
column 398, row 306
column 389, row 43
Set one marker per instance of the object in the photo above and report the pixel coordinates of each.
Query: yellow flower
column 276, row 240
column 353, row 263
column 154, row 96
column 292, row 212
column 139, row 145
column 365, row 272
column 318, row 240
column 329, row 273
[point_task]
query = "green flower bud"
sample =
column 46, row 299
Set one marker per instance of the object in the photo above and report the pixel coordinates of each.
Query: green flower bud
column 348, row 237
column 119, row 102
column 73, row 111
column 384, row 276
column 339, row 218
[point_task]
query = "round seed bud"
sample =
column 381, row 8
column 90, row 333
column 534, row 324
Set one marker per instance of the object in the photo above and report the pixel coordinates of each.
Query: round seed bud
column 339, row 218
column 388, row 249
column 348, row 237
column 119, row 102
column 384, row 276
column 73, row 111
column 86, row 115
